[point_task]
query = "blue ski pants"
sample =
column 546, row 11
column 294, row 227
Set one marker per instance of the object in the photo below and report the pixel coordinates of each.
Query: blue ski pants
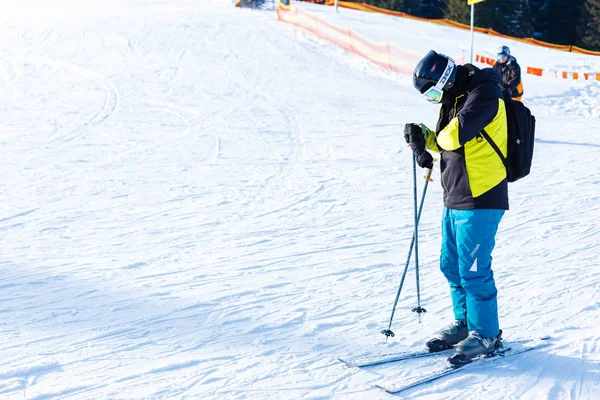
column 468, row 238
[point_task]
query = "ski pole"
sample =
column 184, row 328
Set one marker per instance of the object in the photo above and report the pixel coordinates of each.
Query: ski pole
column 418, row 309
column 388, row 332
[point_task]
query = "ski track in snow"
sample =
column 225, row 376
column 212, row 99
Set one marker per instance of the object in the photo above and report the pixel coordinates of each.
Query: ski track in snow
column 219, row 207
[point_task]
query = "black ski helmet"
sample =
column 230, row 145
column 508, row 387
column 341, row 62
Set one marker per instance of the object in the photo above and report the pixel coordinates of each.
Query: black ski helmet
column 503, row 51
column 429, row 71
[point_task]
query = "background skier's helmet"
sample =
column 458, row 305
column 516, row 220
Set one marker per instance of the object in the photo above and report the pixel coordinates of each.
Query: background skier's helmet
column 503, row 51
column 434, row 73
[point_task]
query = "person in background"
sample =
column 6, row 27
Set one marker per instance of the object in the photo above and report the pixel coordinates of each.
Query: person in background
column 475, row 188
column 510, row 72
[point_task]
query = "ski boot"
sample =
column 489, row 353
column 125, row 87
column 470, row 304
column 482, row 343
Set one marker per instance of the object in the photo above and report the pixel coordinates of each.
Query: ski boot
column 475, row 346
column 448, row 337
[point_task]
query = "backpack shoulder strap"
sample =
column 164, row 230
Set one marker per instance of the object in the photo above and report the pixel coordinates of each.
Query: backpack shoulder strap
column 494, row 146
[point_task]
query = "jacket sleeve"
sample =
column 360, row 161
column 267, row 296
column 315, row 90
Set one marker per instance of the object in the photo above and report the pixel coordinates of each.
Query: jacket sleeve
column 479, row 110
column 497, row 68
column 514, row 79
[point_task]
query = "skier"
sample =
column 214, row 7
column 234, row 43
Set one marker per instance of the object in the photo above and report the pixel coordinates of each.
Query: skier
column 509, row 70
column 475, row 192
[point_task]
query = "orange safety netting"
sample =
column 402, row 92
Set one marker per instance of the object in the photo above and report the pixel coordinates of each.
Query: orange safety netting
column 384, row 54
column 393, row 57
column 447, row 22
column 540, row 71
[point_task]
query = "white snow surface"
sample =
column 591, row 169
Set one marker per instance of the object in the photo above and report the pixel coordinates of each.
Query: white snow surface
column 201, row 202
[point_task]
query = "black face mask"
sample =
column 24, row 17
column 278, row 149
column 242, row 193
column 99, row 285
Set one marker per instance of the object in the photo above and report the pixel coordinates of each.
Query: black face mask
column 448, row 98
column 461, row 82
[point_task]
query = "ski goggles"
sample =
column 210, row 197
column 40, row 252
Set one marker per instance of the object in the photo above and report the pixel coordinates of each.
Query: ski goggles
column 502, row 55
column 434, row 94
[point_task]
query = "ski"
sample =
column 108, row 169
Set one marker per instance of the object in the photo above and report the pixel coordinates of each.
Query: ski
column 510, row 349
column 377, row 359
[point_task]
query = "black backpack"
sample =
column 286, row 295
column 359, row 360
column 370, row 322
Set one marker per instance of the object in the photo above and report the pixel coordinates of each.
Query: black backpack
column 521, row 135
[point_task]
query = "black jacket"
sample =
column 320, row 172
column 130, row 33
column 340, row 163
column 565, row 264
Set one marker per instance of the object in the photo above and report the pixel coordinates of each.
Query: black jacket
column 510, row 73
column 473, row 175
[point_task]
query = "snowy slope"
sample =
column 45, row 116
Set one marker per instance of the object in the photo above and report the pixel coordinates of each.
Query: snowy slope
column 202, row 202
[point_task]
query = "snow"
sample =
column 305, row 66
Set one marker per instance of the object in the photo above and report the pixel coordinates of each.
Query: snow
column 200, row 201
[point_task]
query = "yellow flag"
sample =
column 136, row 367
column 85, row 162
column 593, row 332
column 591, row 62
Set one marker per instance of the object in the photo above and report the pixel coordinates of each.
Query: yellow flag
column 469, row 2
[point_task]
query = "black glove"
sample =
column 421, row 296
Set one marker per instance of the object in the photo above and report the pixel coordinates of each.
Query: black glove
column 413, row 134
column 425, row 160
